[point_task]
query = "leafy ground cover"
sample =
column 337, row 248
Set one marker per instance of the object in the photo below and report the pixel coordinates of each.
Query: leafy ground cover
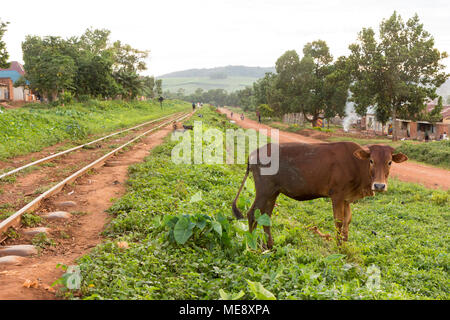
column 173, row 237
column 33, row 128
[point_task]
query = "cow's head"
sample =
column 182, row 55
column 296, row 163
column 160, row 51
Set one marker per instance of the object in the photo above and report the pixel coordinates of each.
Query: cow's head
column 380, row 159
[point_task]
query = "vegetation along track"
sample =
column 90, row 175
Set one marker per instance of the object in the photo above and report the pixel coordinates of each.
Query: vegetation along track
column 16, row 194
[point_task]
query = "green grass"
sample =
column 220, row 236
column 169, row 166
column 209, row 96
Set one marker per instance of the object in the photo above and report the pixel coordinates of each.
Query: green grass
column 229, row 84
column 33, row 128
column 404, row 233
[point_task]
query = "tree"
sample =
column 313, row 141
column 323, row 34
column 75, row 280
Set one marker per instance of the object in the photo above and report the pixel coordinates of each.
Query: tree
column 435, row 114
column 94, row 60
column 4, row 56
column 336, row 87
column 148, row 87
column 49, row 69
column 159, row 87
column 398, row 73
column 289, row 81
column 266, row 92
column 313, row 85
column 316, row 67
column 127, row 63
column 245, row 97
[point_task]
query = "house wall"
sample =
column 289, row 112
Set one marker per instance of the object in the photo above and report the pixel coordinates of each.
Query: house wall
column 413, row 129
column 18, row 94
column 294, row 118
column 9, row 85
column 441, row 128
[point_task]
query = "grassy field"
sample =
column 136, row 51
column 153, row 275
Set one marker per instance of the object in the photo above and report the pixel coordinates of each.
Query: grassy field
column 229, row 84
column 173, row 237
column 31, row 129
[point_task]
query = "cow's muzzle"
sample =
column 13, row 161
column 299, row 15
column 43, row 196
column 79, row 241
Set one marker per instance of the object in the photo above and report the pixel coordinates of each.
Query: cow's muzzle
column 379, row 187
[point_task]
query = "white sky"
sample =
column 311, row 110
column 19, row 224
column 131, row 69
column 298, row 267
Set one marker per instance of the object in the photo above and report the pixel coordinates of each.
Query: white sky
column 202, row 34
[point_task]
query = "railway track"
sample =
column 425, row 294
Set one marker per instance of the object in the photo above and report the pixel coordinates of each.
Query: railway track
column 9, row 252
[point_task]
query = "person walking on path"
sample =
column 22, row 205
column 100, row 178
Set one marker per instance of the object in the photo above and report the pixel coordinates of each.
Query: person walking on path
column 258, row 115
column 193, row 106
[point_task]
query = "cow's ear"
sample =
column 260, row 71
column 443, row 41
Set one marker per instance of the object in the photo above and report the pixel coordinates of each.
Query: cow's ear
column 399, row 157
column 361, row 154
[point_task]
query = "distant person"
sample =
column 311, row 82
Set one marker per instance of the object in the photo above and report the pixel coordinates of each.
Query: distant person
column 231, row 114
column 427, row 137
column 444, row 136
column 242, row 116
column 161, row 99
column 258, row 115
column 193, row 106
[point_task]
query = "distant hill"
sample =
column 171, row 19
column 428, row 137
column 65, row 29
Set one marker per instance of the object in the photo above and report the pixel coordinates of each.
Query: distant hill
column 230, row 71
column 229, row 78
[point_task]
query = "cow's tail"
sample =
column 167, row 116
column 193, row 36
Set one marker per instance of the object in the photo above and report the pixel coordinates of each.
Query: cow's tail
column 237, row 213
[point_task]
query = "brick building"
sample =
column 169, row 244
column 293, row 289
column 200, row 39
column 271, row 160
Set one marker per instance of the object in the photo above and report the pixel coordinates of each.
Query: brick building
column 7, row 79
column 415, row 130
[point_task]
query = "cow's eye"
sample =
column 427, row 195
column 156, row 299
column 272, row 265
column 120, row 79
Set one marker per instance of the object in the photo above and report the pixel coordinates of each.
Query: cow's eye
column 390, row 162
column 371, row 161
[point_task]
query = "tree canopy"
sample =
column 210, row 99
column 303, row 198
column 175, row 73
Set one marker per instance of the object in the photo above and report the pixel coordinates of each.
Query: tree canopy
column 398, row 72
column 85, row 66
column 4, row 56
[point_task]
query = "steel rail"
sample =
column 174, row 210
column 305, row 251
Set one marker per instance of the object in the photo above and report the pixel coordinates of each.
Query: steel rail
column 79, row 147
column 14, row 219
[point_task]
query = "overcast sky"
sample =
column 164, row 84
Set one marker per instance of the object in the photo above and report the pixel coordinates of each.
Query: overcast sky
column 208, row 33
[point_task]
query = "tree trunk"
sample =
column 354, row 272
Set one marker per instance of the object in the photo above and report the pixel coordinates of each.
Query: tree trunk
column 394, row 124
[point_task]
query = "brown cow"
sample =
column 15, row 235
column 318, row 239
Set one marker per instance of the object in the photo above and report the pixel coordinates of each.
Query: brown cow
column 342, row 171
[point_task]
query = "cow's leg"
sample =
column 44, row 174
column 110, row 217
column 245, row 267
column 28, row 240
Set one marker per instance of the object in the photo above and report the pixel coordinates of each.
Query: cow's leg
column 265, row 204
column 347, row 220
column 339, row 214
column 270, row 203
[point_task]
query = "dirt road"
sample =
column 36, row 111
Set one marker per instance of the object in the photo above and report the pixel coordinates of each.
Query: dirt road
column 430, row 177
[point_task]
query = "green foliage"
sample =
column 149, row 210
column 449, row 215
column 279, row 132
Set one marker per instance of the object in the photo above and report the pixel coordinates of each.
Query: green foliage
column 42, row 241
column 31, row 220
column 397, row 73
column 4, row 56
column 259, row 291
column 435, row 152
column 402, row 233
column 87, row 65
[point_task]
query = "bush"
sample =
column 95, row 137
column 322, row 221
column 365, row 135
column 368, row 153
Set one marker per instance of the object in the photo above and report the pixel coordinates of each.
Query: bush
column 435, row 152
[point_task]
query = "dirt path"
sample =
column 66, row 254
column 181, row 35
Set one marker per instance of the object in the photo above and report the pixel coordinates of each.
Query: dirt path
column 428, row 176
column 92, row 195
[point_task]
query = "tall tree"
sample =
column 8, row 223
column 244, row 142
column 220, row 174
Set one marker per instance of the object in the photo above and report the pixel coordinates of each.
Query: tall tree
column 159, row 90
column 336, row 87
column 128, row 62
column 397, row 73
column 4, row 56
column 49, row 68
column 289, row 81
